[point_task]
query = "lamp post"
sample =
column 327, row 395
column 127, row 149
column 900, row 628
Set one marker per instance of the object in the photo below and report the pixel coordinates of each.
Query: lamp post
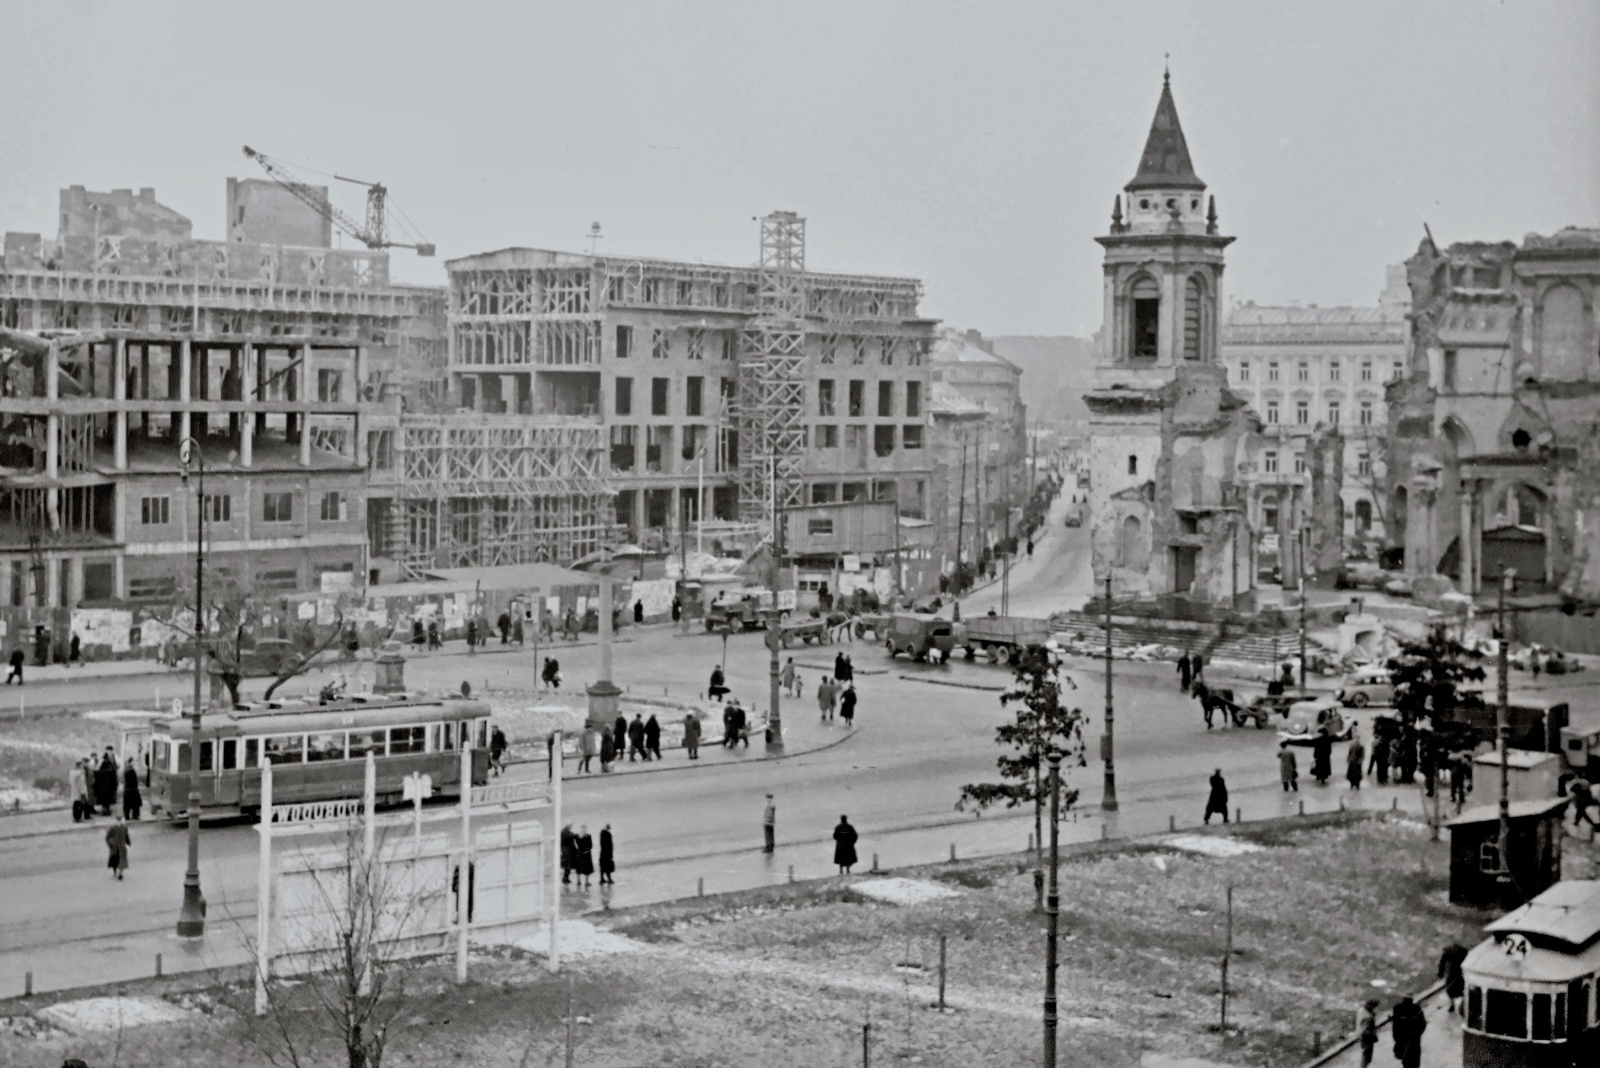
column 1108, row 801
column 775, row 629
column 1503, row 732
column 1052, row 912
column 192, row 914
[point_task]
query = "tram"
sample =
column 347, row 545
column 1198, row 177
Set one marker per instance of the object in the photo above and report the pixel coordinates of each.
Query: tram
column 317, row 751
column 1532, row 986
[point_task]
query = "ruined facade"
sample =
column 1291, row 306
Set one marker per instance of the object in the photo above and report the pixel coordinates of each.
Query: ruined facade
column 1169, row 440
column 1493, row 429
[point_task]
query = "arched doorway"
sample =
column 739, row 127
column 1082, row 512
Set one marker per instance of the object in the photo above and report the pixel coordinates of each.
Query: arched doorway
column 1364, row 517
column 1131, row 552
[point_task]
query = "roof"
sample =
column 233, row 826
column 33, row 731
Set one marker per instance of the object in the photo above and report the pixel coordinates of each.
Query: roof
column 515, row 576
column 1165, row 163
column 1520, row 962
column 1568, row 912
column 1519, row 810
column 1521, row 759
column 952, row 346
column 944, row 399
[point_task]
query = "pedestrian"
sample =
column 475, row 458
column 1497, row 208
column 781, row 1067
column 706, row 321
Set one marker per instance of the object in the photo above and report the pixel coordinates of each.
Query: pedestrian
column 1288, row 676
column 1408, row 1023
column 1455, row 984
column 132, row 800
column 619, row 737
column 1407, row 743
column 1030, row 548
column 569, row 853
column 1322, row 757
column 583, row 864
column 433, row 635
column 787, row 677
column 1355, row 759
column 636, row 747
column 1581, row 800
column 677, row 608
column 504, row 625
column 1458, row 779
column 638, row 612
column 1185, row 671
column 608, row 856
column 652, row 738
column 741, row 724
column 78, row 787
column 691, row 735
column 551, row 673
column 825, row 698
column 472, row 635
column 591, row 749
column 569, row 625
column 849, row 670
column 1208, row 704
column 1199, row 667
column 838, row 666
column 1378, row 763
column 728, row 738
column 844, row 845
column 117, row 842
column 75, row 651
column 17, row 660
column 1217, row 802
column 608, row 751
column 497, row 750
column 1288, row 768
column 847, row 705
column 1367, row 1031
column 719, row 684
column 417, row 636
column 105, row 784
column 769, row 825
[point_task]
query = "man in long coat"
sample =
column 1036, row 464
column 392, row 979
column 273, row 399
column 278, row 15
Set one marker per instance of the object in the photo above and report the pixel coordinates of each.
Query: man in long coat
column 131, row 799
column 619, row 736
column 1217, row 801
column 117, row 842
column 1322, row 758
column 608, row 855
column 652, row 738
column 105, row 784
column 1355, row 759
column 1408, row 1024
column 691, row 735
column 569, row 853
column 636, row 739
column 844, row 845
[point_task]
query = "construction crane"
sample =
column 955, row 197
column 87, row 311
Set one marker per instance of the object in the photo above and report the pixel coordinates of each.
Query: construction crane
column 375, row 234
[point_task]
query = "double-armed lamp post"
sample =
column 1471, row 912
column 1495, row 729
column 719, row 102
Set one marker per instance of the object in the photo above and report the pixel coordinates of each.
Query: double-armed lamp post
column 192, row 914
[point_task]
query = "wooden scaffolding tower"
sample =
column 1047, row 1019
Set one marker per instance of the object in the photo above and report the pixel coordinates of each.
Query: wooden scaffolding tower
column 771, row 396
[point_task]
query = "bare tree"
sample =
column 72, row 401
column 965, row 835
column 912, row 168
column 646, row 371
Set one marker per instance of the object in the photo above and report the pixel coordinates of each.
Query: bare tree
column 1367, row 441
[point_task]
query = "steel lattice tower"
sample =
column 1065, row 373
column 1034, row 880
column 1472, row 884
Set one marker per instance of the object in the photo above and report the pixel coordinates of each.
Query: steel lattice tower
column 771, row 416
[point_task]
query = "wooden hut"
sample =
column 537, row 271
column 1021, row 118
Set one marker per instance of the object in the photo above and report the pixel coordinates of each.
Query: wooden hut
column 1534, row 853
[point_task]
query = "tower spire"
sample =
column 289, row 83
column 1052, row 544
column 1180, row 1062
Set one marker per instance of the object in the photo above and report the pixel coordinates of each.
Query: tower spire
column 1165, row 163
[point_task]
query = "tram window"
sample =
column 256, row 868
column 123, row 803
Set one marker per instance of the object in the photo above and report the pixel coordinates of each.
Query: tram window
column 449, row 736
column 230, row 754
column 206, row 763
column 180, row 751
column 160, row 753
column 1475, row 1008
column 252, row 752
column 284, row 748
column 364, row 742
column 483, row 734
column 1578, row 1000
column 1505, row 1013
column 433, row 738
column 407, row 740
column 1558, row 1028
column 1541, row 1018
column 325, row 746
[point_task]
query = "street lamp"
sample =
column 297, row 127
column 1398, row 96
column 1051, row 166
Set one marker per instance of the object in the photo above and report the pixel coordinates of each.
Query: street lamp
column 1108, row 801
column 192, row 914
column 1052, row 911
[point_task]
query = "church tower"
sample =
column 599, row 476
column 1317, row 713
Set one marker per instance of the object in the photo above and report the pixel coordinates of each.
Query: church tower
column 1168, row 439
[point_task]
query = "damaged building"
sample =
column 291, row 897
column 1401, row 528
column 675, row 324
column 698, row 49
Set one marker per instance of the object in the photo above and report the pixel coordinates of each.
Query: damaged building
column 1170, row 442
column 1494, row 431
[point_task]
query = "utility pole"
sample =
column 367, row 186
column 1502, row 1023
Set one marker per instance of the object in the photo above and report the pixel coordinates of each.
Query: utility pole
column 1005, row 565
column 1052, row 912
column 1108, row 801
column 192, row 913
column 775, row 624
column 1503, row 731
column 1302, row 569
column 961, row 523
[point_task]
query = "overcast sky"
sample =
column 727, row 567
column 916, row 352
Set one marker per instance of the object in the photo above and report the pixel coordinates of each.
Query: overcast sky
column 975, row 146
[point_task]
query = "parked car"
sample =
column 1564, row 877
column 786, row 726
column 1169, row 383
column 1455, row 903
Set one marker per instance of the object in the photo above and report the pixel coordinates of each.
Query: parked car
column 1368, row 685
column 1307, row 719
column 1399, row 586
column 1074, row 519
column 1361, row 575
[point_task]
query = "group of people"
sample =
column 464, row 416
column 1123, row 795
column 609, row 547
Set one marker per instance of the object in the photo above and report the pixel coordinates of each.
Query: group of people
column 94, row 782
column 577, row 856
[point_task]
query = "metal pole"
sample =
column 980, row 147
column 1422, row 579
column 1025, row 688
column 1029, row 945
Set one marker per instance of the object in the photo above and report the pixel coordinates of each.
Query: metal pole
column 700, row 525
column 775, row 629
column 1503, row 729
column 572, row 981
column 1227, row 955
column 464, row 872
column 553, row 962
column 961, row 523
column 1303, row 540
column 1052, row 913
column 1005, row 566
column 264, row 893
column 192, row 913
column 1108, row 801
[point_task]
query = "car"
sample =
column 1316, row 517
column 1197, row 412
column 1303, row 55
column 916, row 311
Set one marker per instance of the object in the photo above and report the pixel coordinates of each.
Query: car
column 1074, row 520
column 1307, row 719
column 1399, row 586
column 1361, row 575
column 1366, row 686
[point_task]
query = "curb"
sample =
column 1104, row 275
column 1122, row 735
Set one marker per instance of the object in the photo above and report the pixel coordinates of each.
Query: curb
column 1383, row 1021
column 951, row 682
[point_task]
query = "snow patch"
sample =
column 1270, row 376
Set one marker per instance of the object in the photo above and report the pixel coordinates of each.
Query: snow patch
column 579, row 939
column 109, row 1014
column 1209, row 846
column 903, row 891
column 18, row 798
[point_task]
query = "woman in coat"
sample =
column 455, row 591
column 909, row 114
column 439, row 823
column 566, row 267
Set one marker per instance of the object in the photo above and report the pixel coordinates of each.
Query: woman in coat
column 117, row 842
column 131, row 799
column 847, row 706
column 1355, row 759
column 652, row 737
column 691, row 735
column 584, row 848
column 1322, row 758
column 608, row 856
column 569, row 853
column 844, row 845
column 105, row 784
column 619, row 736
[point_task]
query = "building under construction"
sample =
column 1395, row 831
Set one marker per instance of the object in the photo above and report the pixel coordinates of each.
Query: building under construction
column 608, row 397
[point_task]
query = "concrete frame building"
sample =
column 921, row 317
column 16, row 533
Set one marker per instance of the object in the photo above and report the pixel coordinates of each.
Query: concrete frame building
column 124, row 335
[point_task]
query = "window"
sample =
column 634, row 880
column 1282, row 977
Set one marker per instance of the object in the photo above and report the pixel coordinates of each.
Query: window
column 657, row 443
column 332, row 507
column 1399, row 369
column 858, row 403
column 911, row 436
column 1488, row 857
column 1269, row 463
column 658, row 395
column 277, row 507
column 885, row 399
column 729, row 392
column 1193, row 309
column 1366, row 370
column 380, row 450
column 883, row 440
column 1299, row 463
column 252, row 752
column 1272, row 370
column 1505, row 1012
column 1302, row 412
column 697, row 343
column 730, row 345
column 695, row 395
column 1333, row 370
column 853, row 491
column 624, row 342
column 1244, row 370
column 207, row 751
column 1146, row 319
column 284, row 748
column 624, row 396
column 407, row 740
column 1475, row 1008
column 1272, row 411
column 1303, row 371
column 230, row 754
column 659, row 348
column 155, row 511
column 281, row 579
column 854, row 436
column 827, row 436
column 1133, row 465
column 819, row 528
column 825, row 396
column 1541, row 1018
column 824, row 492
column 328, row 746
column 1365, row 413
column 694, row 438
column 913, row 400
column 219, row 508
column 1333, row 412
column 1450, row 369
column 328, row 381
column 364, row 742
column 1364, row 463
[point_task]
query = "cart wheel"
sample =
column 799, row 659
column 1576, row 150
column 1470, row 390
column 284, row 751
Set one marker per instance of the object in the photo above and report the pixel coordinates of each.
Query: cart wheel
column 1238, row 720
column 995, row 653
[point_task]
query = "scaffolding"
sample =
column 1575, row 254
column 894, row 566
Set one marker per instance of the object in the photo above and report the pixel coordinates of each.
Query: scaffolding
column 479, row 491
column 771, row 398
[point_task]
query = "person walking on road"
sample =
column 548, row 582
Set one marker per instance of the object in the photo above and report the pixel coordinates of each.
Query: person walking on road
column 847, row 705
column 1455, row 984
column 741, row 725
column 590, row 749
column 608, row 856
column 838, row 666
column 583, row 859
column 619, row 736
column 1367, row 1031
column 718, row 687
column 825, row 693
column 849, row 672
column 75, row 652
column 18, row 658
column 844, row 845
column 728, row 736
column 787, row 678
column 117, row 842
column 1582, row 799
column 1408, row 1024
column 505, row 628
column 1355, row 758
column 1185, row 671
column 1458, row 779
column 1217, row 802
column 769, row 826
column 132, row 801
column 638, row 612
column 1288, row 768
column 691, row 735
column 652, row 738
column 636, row 747
column 497, row 751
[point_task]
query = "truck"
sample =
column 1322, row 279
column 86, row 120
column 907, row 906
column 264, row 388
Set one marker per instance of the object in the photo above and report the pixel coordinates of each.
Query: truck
column 1003, row 638
column 921, row 636
column 745, row 608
